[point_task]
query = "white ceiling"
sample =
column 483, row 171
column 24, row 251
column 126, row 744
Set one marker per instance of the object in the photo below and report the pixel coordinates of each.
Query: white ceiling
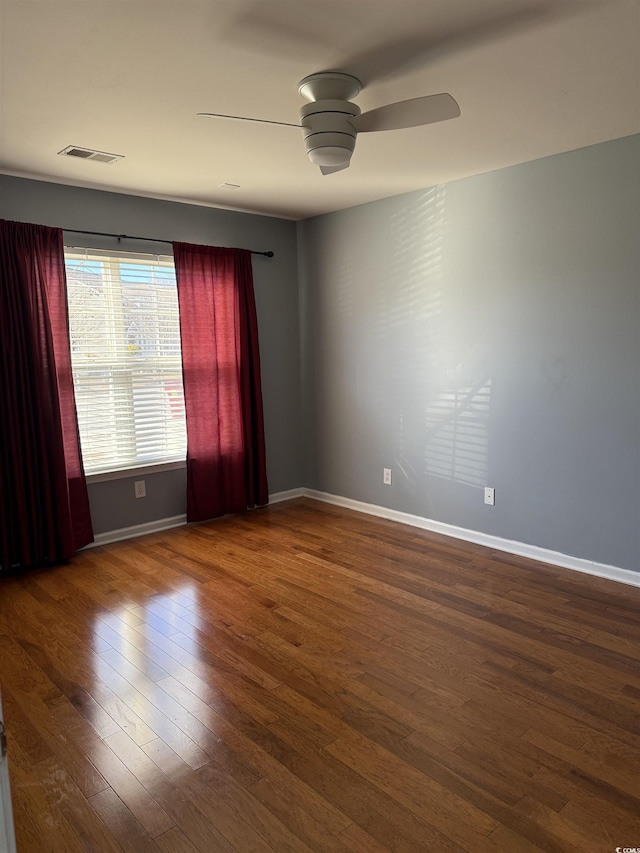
column 532, row 77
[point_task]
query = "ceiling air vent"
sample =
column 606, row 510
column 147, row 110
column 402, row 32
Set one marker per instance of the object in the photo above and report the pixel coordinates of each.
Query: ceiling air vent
column 90, row 154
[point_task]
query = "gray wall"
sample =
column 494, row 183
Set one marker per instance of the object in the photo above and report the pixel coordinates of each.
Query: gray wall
column 112, row 503
column 485, row 332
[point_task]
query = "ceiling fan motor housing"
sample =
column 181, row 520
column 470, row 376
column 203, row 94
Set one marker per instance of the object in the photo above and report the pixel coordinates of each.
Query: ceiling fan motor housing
column 329, row 134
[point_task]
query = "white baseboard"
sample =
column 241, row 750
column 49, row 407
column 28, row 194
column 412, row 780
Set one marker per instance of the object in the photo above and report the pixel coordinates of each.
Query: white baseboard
column 137, row 530
column 161, row 524
column 289, row 495
column 521, row 549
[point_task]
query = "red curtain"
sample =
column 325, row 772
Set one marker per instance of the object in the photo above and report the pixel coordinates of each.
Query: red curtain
column 226, row 468
column 44, row 506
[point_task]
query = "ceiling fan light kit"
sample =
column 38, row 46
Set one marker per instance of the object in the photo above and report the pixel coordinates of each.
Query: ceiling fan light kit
column 331, row 122
column 330, row 155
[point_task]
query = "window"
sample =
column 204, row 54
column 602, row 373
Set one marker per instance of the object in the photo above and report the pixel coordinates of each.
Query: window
column 125, row 353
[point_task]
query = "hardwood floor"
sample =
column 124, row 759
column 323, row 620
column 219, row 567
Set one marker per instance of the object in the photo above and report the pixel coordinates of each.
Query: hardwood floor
column 305, row 678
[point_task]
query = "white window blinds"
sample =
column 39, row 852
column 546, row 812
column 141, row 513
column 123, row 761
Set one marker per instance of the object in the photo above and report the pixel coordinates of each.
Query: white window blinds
column 125, row 353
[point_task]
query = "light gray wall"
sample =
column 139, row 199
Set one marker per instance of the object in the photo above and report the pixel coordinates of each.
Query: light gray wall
column 485, row 332
column 112, row 503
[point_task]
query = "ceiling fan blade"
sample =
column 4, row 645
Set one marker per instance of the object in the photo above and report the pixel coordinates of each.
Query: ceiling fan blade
column 412, row 113
column 329, row 170
column 246, row 118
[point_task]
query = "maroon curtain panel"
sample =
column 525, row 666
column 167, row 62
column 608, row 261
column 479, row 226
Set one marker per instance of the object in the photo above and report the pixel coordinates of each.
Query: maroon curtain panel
column 44, row 506
column 226, row 467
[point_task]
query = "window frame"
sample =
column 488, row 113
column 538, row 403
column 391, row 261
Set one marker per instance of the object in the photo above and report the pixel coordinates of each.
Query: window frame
column 114, row 257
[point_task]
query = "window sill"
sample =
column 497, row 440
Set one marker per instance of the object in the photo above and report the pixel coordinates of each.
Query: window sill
column 127, row 473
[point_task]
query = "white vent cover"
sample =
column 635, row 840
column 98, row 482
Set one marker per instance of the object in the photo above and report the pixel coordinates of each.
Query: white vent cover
column 90, row 154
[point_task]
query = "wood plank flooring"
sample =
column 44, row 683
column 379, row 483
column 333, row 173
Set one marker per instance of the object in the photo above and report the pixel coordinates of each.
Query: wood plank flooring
column 305, row 678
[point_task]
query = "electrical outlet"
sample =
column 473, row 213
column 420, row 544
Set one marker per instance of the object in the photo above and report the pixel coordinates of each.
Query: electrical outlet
column 140, row 489
column 386, row 476
column 489, row 496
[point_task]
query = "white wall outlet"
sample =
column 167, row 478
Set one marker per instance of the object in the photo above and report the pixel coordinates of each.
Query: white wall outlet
column 140, row 489
column 386, row 476
column 489, row 496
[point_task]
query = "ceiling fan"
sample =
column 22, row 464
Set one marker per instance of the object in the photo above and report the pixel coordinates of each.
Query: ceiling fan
column 331, row 122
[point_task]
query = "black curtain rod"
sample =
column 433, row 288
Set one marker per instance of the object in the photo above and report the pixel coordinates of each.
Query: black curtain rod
column 148, row 239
